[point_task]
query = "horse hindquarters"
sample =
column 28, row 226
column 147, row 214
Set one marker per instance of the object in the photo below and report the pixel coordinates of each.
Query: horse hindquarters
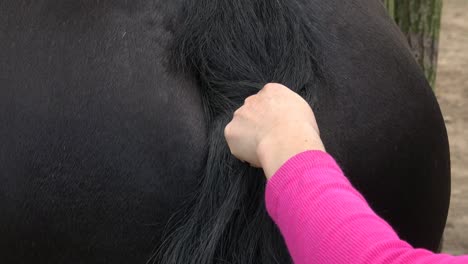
column 99, row 145
column 376, row 112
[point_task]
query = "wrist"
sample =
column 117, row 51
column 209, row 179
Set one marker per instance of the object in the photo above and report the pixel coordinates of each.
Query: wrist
column 280, row 145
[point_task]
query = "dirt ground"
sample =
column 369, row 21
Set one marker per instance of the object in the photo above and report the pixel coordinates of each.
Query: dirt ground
column 452, row 93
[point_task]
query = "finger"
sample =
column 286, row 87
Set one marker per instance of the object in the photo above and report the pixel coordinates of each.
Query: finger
column 249, row 99
column 273, row 86
column 237, row 112
column 227, row 130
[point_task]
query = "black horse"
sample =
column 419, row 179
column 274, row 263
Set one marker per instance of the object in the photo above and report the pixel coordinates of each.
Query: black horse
column 112, row 115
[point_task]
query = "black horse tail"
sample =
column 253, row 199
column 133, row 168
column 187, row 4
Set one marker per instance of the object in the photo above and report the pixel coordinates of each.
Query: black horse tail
column 234, row 48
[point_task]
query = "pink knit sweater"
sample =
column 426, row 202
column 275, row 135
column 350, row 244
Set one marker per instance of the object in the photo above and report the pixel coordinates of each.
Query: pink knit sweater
column 325, row 220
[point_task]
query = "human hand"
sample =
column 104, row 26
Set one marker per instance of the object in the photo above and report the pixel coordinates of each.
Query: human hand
column 271, row 127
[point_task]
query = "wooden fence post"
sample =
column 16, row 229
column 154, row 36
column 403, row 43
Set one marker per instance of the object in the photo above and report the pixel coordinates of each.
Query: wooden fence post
column 420, row 22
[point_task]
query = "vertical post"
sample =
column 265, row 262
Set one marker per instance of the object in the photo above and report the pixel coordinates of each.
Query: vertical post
column 420, row 22
column 390, row 4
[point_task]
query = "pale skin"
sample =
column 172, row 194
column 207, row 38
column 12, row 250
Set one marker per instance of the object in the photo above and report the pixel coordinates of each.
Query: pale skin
column 272, row 126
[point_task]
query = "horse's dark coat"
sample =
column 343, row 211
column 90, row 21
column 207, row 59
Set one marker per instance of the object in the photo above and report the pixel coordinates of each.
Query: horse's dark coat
column 112, row 113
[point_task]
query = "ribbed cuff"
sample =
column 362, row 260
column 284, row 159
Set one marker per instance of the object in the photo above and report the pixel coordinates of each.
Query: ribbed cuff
column 315, row 160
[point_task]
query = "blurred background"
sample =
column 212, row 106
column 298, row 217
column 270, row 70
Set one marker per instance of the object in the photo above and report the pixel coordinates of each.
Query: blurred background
column 437, row 31
column 451, row 88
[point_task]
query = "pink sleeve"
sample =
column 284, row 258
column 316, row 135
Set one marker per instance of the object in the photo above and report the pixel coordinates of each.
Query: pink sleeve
column 325, row 220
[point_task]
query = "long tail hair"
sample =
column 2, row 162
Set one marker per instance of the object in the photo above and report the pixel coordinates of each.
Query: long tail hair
column 234, row 47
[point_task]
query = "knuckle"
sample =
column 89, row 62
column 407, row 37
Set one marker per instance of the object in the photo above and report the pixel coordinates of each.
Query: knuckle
column 238, row 112
column 272, row 86
column 268, row 87
column 249, row 99
column 227, row 130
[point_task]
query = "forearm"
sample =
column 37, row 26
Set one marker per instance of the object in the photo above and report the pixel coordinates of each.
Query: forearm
column 325, row 220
